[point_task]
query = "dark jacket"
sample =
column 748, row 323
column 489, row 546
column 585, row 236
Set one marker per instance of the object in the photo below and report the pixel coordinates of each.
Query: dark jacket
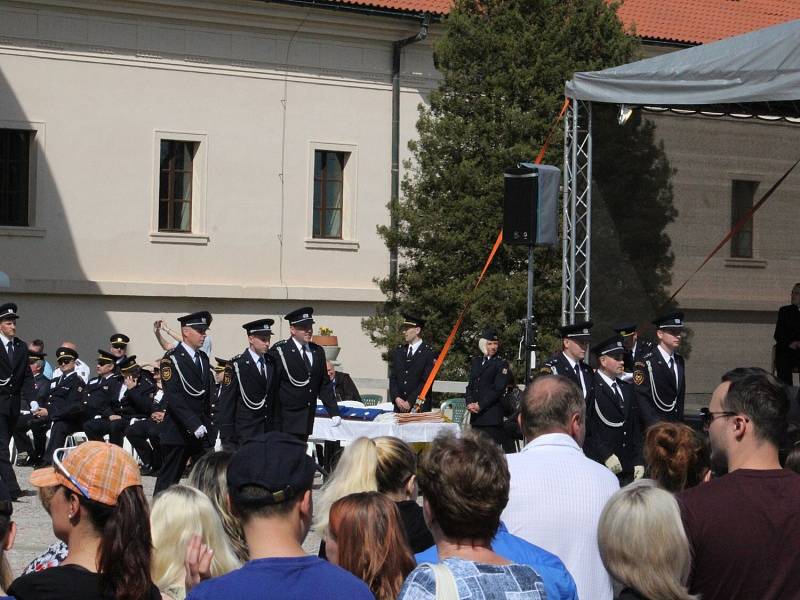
column 559, row 365
column 787, row 328
column 39, row 393
column 245, row 400
column 611, row 428
column 66, row 398
column 102, row 397
column 487, row 384
column 417, row 532
column 407, row 376
column 187, row 394
column 658, row 397
column 16, row 378
column 139, row 401
column 643, row 347
column 344, row 388
column 295, row 405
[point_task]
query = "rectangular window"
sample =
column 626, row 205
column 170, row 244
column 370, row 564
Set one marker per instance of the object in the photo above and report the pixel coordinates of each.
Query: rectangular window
column 742, row 194
column 328, row 193
column 15, row 155
column 175, row 186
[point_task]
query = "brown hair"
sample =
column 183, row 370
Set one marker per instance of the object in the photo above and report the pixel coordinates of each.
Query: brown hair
column 372, row 542
column 677, row 456
column 465, row 482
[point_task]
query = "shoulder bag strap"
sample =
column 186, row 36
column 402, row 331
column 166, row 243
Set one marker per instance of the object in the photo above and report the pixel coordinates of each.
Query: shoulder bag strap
column 446, row 588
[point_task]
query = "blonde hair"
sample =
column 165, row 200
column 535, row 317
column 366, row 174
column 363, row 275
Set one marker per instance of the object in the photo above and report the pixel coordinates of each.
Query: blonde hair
column 178, row 513
column 383, row 464
column 643, row 544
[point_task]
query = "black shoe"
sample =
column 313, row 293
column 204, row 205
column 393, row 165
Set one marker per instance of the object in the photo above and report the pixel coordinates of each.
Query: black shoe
column 148, row 471
column 23, row 494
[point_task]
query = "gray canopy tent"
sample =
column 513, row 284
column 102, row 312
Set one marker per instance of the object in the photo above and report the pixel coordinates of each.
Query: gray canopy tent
column 756, row 74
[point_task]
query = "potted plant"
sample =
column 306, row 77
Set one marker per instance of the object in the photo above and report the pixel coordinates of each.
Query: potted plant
column 329, row 343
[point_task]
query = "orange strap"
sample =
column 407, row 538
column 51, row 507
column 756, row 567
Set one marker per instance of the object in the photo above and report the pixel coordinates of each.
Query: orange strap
column 735, row 229
column 451, row 338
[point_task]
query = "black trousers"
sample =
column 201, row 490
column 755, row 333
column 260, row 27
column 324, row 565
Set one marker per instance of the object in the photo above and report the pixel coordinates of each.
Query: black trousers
column 175, row 459
column 7, row 424
column 143, row 436
column 58, row 435
column 786, row 360
column 38, row 427
column 96, row 429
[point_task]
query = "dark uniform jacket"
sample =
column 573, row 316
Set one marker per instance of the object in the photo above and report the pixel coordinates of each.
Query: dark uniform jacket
column 611, row 428
column 139, row 402
column 407, row 376
column 187, row 395
column 16, row 378
column 643, row 347
column 102, row 396
column 39, row 393
column 787, row 328
column 487, row 384
column 295, row 404
column 344, row 388
column 559, row 365
column 66, row 398
column 245, row 400
column 658, row 396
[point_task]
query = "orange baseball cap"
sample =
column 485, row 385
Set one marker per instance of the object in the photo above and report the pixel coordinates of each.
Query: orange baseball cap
column 102, row 470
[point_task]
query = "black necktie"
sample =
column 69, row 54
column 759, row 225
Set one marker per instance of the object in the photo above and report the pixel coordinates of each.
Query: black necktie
column 10, row 351
column 618, row 395
column 306, row 358
column 674, row 372
column 197, row 362
column 410, row 352
column 262, row 368
column 483, row 362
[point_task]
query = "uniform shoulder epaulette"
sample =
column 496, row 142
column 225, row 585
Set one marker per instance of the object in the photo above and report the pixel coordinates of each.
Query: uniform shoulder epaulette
column 638, row 371
column 278, row 343
column 233, row 358
column 166, row 367
column 313, row 345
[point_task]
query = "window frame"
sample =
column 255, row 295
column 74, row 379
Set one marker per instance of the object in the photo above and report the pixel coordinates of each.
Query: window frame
column 750, row 226
column 349, row 240
column 36, row 148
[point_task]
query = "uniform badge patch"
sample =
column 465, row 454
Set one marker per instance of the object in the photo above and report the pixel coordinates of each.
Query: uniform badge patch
column 166, row 372
column 546, row 370
column 505, row 371
column 227, row 378
column 638, row 377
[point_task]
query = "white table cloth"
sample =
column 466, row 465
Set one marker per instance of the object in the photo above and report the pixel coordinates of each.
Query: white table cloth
column 351, row 430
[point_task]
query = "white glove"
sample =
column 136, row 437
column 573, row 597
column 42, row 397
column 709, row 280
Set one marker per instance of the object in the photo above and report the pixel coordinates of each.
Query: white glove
column 638, row 472
column 34, row 406
column 336, row 421
column 200, row 432
column 613, row 464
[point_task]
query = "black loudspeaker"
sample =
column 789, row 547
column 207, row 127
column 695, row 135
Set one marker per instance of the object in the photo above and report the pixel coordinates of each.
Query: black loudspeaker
column 520, row 202
column 530, row 205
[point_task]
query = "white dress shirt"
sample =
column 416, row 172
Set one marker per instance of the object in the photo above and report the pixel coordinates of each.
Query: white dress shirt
column 555, row 501
column 302, row 348
column 667, row 359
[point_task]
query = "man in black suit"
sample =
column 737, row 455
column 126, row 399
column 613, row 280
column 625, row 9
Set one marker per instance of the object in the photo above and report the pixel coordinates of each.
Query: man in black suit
column 245, row 399
column 103, row 409
column 787, row 338
column 488, row 377
column 659, row 376
column 613, row 434
column 119, row 348
column 65, row 406
column 635, row 348
column 411, row 363
column 300, row 378
column 344, row 388
column 188, row 382
column 569, row 362
column 143, row 408
column 27, row 421
column 15, row 379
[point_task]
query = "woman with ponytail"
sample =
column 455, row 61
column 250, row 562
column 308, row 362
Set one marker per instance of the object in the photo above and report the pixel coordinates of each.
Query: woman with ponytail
column 676, row 456
column 101, row 513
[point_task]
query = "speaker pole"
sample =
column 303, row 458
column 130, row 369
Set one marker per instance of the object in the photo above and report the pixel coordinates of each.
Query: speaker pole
column 530, row 334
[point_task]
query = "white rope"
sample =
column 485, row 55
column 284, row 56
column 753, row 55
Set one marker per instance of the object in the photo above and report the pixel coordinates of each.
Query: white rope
column 603, row 418
column 186, row 387
column 656, row 400
column 5, row 381
column 247, row 402
column 292, row 380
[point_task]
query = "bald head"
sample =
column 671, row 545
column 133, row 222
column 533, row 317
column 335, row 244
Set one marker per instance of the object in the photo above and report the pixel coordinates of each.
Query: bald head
column 71, row 345
column 553, row 404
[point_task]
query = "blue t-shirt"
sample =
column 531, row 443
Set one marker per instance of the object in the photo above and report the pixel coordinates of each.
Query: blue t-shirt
column 296, row 578
column 558, row 582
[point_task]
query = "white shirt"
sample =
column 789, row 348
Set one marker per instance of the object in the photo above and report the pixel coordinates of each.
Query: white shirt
column 555, row 501
column 256, row 358
column 667, row 358
column 572, row 364
column 81, row 368
column 414, row 347
column 309, row 354
column 5, row 341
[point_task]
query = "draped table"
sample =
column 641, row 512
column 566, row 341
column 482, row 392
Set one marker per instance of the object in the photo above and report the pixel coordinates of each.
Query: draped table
column 350, row 430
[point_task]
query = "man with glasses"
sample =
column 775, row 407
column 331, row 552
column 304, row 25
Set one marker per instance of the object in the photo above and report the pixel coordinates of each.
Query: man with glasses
column 143, row 408
column 787, row 337
column 81, row 368
column 248, row 383
column 659, row 376
column 119, row 347
column 569, row 362
column 188, row 382
column 744, row 527
column 16, row 379
column 65, row 403
column 103, row 408
column 27, row 421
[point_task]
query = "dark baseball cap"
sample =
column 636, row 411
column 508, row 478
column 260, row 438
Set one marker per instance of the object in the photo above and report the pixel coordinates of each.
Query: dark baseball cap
column 275, row 462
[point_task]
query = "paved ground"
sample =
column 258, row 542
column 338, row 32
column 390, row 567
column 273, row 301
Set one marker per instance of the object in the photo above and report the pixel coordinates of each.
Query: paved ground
column 35, row 533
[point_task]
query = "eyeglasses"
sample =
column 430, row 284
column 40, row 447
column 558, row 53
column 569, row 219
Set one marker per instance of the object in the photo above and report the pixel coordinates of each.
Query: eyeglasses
column 58, row 455
column 64, row 361
column 707, row 416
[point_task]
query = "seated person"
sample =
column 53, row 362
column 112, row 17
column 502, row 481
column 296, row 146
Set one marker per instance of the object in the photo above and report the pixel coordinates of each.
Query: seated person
column 64, row 407
column 103, row 409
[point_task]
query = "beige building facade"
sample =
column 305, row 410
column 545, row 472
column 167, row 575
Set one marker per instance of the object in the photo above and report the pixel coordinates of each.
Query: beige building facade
column 265, row 115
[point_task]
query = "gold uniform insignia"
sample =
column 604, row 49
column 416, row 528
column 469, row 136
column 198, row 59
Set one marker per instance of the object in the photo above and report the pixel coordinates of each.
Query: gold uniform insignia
column 166, row 371
column 546, row 370
column 505, row 371
column 638, row 377
column 227, row 378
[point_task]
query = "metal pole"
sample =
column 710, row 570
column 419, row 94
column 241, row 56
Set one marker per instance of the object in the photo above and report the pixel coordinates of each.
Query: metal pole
column 529, row 319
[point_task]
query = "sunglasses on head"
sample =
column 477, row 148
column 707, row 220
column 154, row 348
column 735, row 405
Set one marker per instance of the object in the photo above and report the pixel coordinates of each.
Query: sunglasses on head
column 58, row 456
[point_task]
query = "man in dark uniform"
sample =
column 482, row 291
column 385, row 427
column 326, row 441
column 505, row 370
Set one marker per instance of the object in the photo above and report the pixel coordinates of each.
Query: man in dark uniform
column 143, row 408
column 488, row 378
column 245, row 401
column 188, row 382
column 569, row 362
column 65, row 404
column 613, row 433
column 15, row 379
column 635, row 348
column 103, row 409
column 300, row 378
column 411, row 363
column 27, row 421
column 119, row 347
column 659, row 376
column 787, row 338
